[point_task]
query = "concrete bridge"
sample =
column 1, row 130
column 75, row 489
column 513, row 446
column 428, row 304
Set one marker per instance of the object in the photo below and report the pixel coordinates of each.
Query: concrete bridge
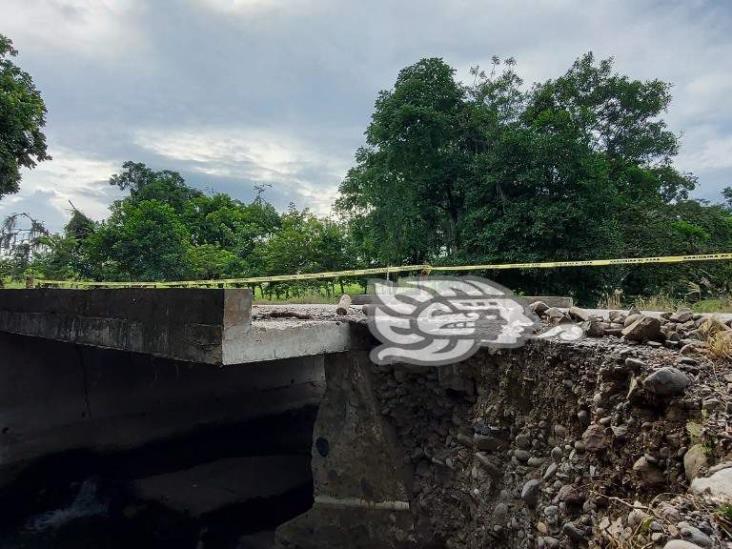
column 109, row 372
column 275, row 417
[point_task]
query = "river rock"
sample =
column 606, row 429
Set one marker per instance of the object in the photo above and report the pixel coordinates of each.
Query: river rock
column 486, row 442
column 595, row 327
column 578, row 314
column 694, row 459
column 500, row 513
column 719, row 467
column 571, row 495
column 523, row 441
column 644, row 329
column 550, row 471
column 554, row 315
column 551, row 512
column 594, row 438
column 682, row 315
column 648, row 472
column 573, row 532
column 530, row 493
column 694, row 535
column 717, row 487
column 631, row 318
column 680, row 544
column 667, row 381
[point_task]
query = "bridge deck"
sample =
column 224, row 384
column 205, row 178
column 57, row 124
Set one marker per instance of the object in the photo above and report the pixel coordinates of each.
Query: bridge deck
column 210, row 326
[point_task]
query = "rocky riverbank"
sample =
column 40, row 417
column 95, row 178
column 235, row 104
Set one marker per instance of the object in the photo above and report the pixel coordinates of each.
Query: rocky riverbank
column 620, row 440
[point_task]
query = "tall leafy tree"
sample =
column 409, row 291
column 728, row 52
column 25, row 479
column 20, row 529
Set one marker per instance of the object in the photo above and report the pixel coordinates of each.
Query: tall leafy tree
column 164, row 186
column 143, row 240
column 22, row 117
column 572, row 168
column 409, row 180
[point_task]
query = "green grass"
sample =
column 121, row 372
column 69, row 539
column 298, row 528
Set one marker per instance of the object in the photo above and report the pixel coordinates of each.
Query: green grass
column 713, row 306
column 309, row 295
column 725, row 511
column 667, row 303
column 8, row 283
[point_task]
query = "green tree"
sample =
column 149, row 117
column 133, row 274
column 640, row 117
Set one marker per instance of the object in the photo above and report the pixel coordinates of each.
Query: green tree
column 79, row 225
column 210, row 262
column 166, row 230
column 22, row 116
column 60, row 258
column 143, row 240
column 63, row 256
column 576, row 167
column 291, row 249
column 22, row 238
column 409, row 180
column 165, row 186
column 226, row 222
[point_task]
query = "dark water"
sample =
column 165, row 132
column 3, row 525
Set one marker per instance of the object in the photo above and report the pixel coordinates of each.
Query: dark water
column 85, row 500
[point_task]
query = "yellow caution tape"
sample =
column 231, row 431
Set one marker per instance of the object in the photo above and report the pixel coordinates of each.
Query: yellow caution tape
column 425, row 269
column 592, row 262
column 229, row 281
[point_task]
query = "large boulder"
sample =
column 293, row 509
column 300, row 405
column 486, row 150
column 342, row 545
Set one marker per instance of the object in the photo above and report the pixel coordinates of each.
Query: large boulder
column 717, row 487
column 555, row 315
column 680, row 544
column 595, row 327
column 667, row 381
column 682, row 315
column 646, row 328
column 630, row 318
column 578, row 314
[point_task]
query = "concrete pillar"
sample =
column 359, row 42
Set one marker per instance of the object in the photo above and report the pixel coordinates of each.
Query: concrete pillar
column 361, row 493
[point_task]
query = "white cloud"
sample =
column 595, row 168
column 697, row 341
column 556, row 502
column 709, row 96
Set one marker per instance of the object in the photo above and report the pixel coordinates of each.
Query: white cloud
column 96, row 28
column 70, row 177
column 709, row 150
column 258, row 155
column 188, row 67
column 249, row 7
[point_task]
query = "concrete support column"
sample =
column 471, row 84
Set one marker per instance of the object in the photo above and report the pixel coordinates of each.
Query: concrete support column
column 361, row 495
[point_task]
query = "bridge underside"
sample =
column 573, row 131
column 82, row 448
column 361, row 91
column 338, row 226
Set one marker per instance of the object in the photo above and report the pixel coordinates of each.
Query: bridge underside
column 125, row 373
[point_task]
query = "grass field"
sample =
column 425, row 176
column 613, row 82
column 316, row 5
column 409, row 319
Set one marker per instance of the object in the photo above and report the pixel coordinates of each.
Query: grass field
column 308, row 296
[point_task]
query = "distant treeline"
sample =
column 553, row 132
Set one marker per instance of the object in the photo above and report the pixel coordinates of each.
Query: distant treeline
column 577, row 167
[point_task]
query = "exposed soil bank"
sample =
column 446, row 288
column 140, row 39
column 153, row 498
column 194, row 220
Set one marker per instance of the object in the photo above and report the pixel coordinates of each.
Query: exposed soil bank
column 553, row 445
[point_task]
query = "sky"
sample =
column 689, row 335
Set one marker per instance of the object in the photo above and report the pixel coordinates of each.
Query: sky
column 238, row 93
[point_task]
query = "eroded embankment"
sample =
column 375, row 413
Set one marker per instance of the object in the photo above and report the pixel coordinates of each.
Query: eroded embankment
column 560, row 445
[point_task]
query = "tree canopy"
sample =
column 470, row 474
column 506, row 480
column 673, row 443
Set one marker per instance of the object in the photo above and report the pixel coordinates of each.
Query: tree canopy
column 577, row 167
column 492, row 171
column 22, row 117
